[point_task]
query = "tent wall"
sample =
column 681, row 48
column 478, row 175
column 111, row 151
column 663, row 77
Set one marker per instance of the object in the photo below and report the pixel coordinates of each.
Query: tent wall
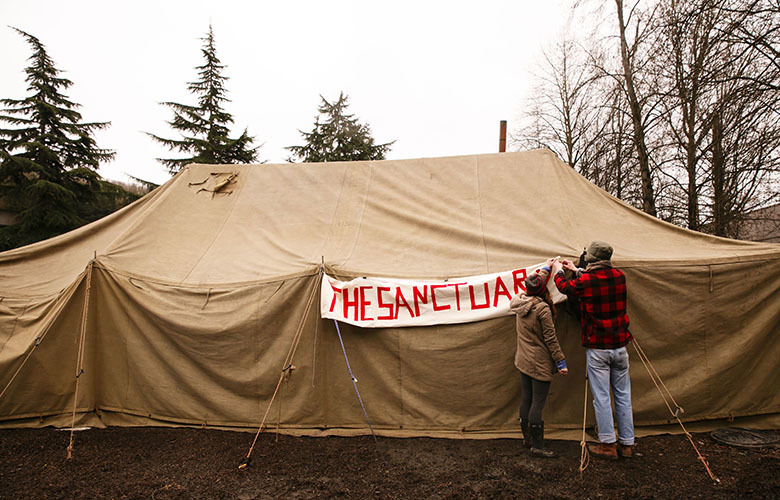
column 712, row 334
column 39, row 352
column 213, row 356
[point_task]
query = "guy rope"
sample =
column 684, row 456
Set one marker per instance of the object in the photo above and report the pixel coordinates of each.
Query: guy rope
column 678, row 409
column 584, row 456
column 287, row 367
column 354, row 383
column 87, row 274
column 80, row 357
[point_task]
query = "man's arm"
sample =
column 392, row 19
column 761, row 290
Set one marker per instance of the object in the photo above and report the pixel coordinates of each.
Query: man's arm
column 572, row 286
column 550, row 338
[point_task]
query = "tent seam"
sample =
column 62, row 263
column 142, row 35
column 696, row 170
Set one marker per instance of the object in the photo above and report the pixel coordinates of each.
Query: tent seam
column 333, row 216
column 362, row 213
column 565, row 207
column 481, row 218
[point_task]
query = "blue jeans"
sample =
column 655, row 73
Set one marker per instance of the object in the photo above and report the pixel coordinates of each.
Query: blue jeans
column 609, row 367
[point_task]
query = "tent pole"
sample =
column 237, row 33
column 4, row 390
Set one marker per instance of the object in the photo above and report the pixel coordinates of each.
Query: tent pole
column 80, row 357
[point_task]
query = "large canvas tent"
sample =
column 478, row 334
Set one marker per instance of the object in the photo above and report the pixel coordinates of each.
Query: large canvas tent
column 184, row 307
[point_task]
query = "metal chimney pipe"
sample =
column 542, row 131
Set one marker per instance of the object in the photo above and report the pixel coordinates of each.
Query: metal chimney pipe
column 502, row 137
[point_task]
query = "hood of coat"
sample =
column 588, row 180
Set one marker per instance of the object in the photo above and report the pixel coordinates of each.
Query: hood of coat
column 599, row 265
column 522, row 304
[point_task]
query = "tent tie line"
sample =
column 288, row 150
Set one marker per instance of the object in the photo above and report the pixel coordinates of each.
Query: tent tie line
column 286, row 371
column 584, row 455
column 39, row 340
column 354, row 384
column 80, row 356
column 678, row 409
column 29, row 353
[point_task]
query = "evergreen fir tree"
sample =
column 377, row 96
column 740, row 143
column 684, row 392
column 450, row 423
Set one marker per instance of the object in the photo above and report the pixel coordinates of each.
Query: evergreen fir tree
column 338, row 137
column 48, row 162
column 204, row 128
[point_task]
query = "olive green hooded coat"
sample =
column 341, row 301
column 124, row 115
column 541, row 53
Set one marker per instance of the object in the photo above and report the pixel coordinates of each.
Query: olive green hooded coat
column 538, row 350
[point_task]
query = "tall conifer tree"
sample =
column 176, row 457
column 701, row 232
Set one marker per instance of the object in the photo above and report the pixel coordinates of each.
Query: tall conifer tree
column 338, row 137
column 204, row 127
column 48, row 161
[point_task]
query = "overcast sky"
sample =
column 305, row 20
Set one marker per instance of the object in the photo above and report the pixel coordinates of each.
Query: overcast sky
column 435, row 76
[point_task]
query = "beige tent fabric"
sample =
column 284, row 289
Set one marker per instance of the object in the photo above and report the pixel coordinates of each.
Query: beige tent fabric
column 198, row 294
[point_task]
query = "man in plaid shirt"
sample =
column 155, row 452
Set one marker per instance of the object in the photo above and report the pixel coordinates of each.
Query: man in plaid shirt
column 602, row 292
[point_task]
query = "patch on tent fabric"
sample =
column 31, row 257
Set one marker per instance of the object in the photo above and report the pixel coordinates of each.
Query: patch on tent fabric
column 745, row 438
column 216, row 183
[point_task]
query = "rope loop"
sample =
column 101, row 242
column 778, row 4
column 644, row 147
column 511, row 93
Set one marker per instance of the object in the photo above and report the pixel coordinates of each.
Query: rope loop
column 584, row 455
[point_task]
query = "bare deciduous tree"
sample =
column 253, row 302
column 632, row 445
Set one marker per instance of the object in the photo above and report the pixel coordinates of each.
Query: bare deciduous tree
column 676, row 109
column 718, row 98
column 629, row 51
column 562, row 109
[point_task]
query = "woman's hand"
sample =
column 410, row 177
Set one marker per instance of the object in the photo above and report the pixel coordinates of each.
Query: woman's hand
column 564, row 371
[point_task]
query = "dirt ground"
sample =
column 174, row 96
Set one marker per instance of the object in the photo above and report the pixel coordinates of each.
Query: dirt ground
column 164, row 463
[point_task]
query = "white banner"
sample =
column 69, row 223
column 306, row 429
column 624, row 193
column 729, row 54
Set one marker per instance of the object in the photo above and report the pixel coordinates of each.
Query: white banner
column 388, row 302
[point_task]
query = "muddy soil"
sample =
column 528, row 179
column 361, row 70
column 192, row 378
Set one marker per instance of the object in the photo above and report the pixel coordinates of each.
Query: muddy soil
column 164, row 463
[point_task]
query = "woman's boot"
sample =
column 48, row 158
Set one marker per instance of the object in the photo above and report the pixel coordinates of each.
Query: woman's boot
column 537, row 441
column 526, row 433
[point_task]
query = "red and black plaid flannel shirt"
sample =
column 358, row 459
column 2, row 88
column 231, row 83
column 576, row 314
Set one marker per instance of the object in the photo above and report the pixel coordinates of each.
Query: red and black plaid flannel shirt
column 602, row 295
